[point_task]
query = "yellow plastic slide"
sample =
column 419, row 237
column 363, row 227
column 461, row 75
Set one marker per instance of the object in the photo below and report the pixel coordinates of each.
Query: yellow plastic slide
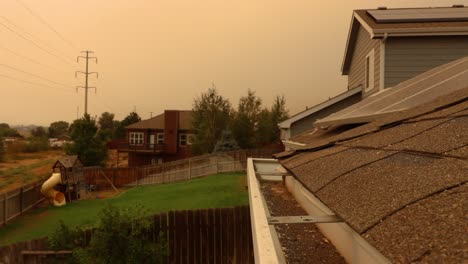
column 47, row 189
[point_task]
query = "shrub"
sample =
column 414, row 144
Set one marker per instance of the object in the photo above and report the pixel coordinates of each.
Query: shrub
column 36, row 144
column 120, row 237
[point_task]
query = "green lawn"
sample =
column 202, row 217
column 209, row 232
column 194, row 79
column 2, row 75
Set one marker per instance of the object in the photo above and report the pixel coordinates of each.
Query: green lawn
column 223, row 190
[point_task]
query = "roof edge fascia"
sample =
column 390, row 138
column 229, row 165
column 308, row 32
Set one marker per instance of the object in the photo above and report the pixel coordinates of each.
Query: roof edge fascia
column 286, row 124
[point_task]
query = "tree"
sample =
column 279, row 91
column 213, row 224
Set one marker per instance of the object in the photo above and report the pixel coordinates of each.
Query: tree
column 120, row 236
column 227, row 142
column 268, row 130
column 279, row 113
column 106, row 126
column 211, row 115
column 86, row 144
column 106, row 121
column 7, row 131
column 131, row 118
column 244, row 125
column 39, row 132
column 58, row 128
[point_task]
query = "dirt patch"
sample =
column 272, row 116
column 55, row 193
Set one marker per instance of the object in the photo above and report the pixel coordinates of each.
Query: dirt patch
column 23, row 168
column 301, row 243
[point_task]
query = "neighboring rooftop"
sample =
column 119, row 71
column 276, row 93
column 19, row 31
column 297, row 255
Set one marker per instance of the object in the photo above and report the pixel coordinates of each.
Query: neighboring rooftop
column 68, row 161
column 400, row 181
column 287, row 123
column 157, row 122
column 430, row 21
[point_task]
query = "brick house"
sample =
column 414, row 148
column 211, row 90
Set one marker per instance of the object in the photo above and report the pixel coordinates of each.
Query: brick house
column 165, row 137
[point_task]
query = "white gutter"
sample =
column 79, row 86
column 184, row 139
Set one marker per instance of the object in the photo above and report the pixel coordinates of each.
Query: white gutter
column 353, row 247
column 265, row 239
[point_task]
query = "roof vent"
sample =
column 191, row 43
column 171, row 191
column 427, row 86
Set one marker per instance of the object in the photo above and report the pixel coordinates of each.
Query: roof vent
column 382, row 8
column 458, row 6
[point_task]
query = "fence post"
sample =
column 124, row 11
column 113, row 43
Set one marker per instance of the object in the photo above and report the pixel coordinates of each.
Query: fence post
column 5, row 209
column 190, row 168
column 21, row 199
column 217, row 163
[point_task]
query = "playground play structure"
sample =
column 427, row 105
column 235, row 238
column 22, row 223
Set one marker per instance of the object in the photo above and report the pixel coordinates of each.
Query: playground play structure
column 66, row 181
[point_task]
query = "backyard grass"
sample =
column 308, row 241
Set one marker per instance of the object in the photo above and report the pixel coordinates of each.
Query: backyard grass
column 222, row 190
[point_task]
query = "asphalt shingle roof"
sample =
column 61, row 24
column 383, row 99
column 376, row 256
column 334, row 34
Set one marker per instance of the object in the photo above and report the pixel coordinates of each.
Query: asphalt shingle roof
column 399, row 181
column 157, row 122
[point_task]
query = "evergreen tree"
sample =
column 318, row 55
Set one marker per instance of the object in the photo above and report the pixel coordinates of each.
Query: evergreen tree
column 227, row 142
column 131, row 118
column 86, row 144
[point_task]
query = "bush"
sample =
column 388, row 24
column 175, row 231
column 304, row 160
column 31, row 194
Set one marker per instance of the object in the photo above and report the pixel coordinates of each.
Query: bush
column 36, row 144
column 122, row 236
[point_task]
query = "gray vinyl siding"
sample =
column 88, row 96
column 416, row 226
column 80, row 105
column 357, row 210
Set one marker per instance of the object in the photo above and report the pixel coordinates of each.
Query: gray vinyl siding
column 356, row 74
column 410, row 56
column 307, row 123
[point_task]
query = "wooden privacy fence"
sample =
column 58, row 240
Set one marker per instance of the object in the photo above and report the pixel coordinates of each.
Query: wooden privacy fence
column 14, row 203
column 221, row 235
column 173, row 171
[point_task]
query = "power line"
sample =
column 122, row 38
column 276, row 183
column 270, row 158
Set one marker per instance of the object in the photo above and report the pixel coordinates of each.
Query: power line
column 34, row 43
column 47, row 25
column 29, row 59
column 33, row 36
column 86, row 73
column 35, row 75
column 33, row 83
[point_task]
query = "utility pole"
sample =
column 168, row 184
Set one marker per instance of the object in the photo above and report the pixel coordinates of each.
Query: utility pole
column 86, row 73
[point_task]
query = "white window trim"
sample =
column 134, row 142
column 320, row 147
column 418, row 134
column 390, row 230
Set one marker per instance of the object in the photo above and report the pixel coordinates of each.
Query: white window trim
column 160, row 138
column 187, row 140
column 369, row 83
column 136, row 138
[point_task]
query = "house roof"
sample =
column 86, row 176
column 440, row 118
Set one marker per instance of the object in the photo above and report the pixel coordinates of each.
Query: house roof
column 377, row 29
column 287, row 123
column 157, row 122
column 68, row 161
column 400, row 181
column 415, row 91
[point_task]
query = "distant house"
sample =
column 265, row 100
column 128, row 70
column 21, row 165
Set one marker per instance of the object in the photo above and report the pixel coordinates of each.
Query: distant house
column 165, row 137
column 388, row 46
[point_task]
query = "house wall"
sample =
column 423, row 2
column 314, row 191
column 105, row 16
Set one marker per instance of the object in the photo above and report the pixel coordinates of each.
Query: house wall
column 406, row 57
column 136, row 159
column 307, row 123
column 356, row 74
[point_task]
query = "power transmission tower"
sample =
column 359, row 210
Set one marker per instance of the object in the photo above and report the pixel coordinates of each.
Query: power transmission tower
column 86, row 73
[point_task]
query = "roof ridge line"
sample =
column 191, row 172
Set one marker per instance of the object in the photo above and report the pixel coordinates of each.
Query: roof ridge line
column 413, row 202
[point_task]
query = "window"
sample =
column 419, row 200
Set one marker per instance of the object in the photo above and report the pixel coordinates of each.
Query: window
column 369, row 71
column 136, row 138
column 160, row 139
column 184, row 140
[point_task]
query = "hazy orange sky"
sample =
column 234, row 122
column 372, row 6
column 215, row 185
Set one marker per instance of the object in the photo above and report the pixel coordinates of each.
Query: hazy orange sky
column 156, row 55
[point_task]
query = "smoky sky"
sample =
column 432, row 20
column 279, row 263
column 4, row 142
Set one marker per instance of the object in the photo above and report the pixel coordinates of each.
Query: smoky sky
column 155, row 55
